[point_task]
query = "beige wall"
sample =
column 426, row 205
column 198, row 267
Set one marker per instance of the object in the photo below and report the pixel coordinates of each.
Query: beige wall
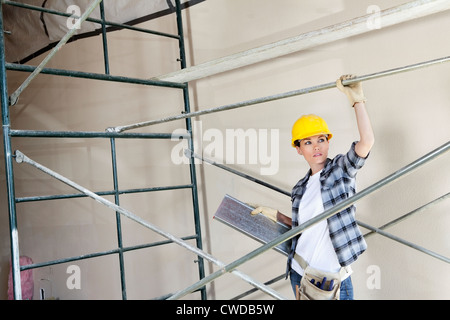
column 409, row 111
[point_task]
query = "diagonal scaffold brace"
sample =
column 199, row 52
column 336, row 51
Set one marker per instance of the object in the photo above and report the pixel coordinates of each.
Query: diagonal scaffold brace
column 284, row 95
column 22, row 158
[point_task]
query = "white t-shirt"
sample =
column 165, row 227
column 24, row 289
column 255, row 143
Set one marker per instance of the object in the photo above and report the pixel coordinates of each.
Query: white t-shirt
column 314, row 244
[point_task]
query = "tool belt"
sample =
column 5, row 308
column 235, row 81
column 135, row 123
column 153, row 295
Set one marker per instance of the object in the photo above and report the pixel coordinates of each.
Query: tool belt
column 317, row 284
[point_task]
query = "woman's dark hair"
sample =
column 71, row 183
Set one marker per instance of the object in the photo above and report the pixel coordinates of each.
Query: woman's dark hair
column 297, row 142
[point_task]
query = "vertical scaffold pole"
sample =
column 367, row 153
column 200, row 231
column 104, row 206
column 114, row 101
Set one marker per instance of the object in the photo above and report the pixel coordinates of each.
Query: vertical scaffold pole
column 114, row 164
column 118, row 218
column 9, row 175
column 201, row 267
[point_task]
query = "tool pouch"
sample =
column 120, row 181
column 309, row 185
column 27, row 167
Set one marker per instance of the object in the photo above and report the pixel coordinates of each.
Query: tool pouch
column 309, row 291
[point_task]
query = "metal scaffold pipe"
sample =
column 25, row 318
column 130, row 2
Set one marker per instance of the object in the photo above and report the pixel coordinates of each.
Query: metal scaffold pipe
column 373, row 231
column 99, row 21
column 326, row 214
column 9, row 171
column 402, row 241
column 283, row 95
column 93, row 76
column 409, row 214
column 61, row 43
column 343, row 30
column 20, row 158
column 188, row 153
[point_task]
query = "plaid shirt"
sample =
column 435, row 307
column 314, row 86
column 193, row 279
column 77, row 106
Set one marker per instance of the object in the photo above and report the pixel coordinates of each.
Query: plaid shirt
column 337, row 181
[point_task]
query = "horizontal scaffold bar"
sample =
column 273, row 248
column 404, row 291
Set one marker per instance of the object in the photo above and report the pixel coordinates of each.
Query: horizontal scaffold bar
column 22, row 158
column 285, row 95
column 15, row 95
column 101, row 254
column 108, row 23
column 94, row 134
column 389, row 17
column 325, row 215
column 94, row 76
column 103, row 193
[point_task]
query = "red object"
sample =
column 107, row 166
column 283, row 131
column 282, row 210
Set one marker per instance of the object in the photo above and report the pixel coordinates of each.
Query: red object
column 26, row 278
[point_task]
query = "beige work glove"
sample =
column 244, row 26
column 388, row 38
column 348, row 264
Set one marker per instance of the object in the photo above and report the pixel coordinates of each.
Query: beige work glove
column 266, row 211
column 354, row 91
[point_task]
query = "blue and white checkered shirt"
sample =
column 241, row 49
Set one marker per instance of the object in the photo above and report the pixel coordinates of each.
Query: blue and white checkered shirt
column 337, row 181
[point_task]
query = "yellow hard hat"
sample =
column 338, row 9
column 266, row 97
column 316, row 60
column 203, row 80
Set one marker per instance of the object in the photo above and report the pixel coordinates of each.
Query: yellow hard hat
column 308, row 126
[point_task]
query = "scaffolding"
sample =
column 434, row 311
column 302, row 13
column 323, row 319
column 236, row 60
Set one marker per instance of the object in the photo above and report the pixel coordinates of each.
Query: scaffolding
column 114, row 133
column 8, row 134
